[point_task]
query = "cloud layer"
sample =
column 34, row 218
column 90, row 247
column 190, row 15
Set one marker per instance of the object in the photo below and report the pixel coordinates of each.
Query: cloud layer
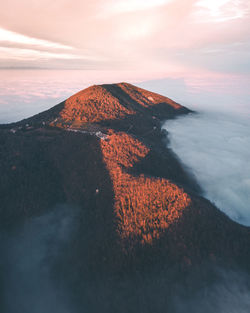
column 29, row 254
column 215, row 147
column 25, row 93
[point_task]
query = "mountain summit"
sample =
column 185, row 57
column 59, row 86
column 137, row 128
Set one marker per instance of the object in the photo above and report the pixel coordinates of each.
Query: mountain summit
column 111, row 102
column 139, row 212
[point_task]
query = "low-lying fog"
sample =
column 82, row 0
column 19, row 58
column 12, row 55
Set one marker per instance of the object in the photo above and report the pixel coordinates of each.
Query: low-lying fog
column 214, row 143
column 28, row 255
column 216, row 148
column 29, row 282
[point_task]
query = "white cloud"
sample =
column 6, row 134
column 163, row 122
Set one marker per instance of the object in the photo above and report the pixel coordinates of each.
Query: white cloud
column 215, row 147
column 13, row 37
column 219, row 10
column 124, row 6
column 214, row 144
column 30, row 54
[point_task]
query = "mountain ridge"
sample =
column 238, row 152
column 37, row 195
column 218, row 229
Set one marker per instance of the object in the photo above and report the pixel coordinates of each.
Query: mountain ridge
column 93, row 97
column 138, row 207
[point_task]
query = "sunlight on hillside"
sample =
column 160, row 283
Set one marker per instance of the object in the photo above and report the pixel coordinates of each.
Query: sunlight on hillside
column 145, row 207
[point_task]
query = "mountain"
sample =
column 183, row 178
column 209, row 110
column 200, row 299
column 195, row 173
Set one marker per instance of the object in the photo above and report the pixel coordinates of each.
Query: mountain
column 142, row 223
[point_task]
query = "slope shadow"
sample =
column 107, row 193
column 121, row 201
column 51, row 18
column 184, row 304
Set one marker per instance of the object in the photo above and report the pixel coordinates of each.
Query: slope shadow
column 43, row 168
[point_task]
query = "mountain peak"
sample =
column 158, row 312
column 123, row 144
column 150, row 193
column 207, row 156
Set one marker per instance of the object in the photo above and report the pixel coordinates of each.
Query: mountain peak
column 112, row 101
column 139, row 219
column 106, row 103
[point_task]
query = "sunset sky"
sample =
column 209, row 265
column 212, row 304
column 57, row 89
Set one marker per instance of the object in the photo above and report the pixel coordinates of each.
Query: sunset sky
column 209, row 36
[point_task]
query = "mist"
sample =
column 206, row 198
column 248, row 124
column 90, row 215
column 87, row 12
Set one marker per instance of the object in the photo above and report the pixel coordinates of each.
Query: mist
column 28, row 255
column 215, row 148
column 213, row 144
column 228, row 293
column 225, row 94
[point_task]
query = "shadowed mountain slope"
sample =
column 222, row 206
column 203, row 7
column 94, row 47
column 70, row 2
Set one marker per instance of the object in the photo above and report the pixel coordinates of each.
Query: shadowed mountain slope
column 139, row 212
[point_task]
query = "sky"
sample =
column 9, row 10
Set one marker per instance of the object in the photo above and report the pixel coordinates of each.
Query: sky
column 202, row 37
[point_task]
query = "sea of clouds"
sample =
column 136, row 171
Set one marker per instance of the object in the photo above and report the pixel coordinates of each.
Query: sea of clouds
column 215, row 147
column 24, row 93
column 214, row 142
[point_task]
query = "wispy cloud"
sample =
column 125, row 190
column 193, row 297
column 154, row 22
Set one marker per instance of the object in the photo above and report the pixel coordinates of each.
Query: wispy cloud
column 13, row 37
column 159, row 34
column 125, row 6
column 31, row 54
column 16, row 47
column 219, row 10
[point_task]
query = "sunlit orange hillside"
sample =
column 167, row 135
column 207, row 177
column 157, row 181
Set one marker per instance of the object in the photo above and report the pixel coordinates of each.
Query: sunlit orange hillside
column 145, row 206
column 109, row 102
column 103, row 151
column 94, row 104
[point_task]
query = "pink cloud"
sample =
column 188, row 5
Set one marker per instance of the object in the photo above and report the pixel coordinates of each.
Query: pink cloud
column 106, row 34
